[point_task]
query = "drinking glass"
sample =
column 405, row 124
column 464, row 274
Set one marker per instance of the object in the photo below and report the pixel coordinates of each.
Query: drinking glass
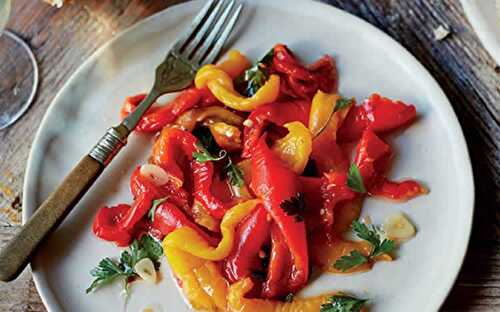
column 18, row 72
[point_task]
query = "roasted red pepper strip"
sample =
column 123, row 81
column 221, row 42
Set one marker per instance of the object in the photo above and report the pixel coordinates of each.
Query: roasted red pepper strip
column 175, row 145
column 145, row 191
column 333, row 190
column 278, row 113
column 106, row 225
column 372, row 158
column 168, row 217
column 299, row 81
column 139, row 209
column 275, row 183
column 377, row 113
column 277, row 283
column 398, row 191
column 202, row 176
column 251, row 234
column 159, row 116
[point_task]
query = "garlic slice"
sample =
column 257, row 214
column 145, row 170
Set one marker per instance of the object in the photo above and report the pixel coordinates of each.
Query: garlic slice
column 155, row 173
column 398, row 227
column 146, row 270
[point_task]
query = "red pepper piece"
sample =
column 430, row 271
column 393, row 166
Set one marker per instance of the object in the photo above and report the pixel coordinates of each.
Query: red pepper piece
column 377, row 113
column 139, row 209
column 158, row 116
column 145, row 191
column 202, row 177
column 278, row 283
column 278, row 113
column 106, row 225
column 373, row 157
column 398, row 191
column 274, row 183
column 167, row 218
column 333, row 190
column 173, row 150
column 251, row 234
column 299, row 81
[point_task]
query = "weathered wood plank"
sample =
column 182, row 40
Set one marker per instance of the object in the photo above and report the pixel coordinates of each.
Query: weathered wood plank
column 63, row 38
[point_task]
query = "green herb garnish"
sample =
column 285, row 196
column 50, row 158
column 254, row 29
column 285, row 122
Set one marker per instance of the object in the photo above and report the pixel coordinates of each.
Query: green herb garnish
column 234, row 173
column 289, row 297
column 295, row 207
column 208, row 148
column 203, row 155
column 255, row 77
column 372, row 236
column 343, row 303
column 354, row 259
column 109, row 270
column 154, row 205
column 355, row 180
column 342, row 103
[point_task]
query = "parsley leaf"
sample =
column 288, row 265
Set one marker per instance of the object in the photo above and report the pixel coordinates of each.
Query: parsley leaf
column 372, row 236
column 108, row 270
column 354, row 259
column 343, row 303
column 342, row 103
column 355, row 180
column 256, row 76
column 105, row 272
column 234, row 173
column 203, row 155
column 154, row 205
column 295, row 207
column 207, row 148
column 289, row 297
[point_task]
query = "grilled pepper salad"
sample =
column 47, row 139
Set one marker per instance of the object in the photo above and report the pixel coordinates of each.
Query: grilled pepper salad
column 255, row 174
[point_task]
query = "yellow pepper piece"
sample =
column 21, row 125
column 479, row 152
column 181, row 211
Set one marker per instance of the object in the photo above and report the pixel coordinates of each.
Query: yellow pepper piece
column 201, row 282
column 322, row 107
column 189, row 119
column 221, row 86
column 203, row 218
column 226, row 136
column 235, row 64
column 187, row 239
column 238, row 303
column 296, row 147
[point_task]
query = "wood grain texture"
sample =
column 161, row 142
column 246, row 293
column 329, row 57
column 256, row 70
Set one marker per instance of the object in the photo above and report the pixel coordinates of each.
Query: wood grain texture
column 63, row 38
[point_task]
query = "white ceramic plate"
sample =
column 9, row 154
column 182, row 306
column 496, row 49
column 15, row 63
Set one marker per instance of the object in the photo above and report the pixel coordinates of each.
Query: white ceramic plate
column 433, row 150
column 485, row 19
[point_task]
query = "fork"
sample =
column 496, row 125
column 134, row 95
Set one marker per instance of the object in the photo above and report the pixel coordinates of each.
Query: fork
column 200, row 44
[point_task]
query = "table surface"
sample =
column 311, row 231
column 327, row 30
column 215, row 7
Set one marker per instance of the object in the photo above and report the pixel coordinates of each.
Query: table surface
column 63, row 38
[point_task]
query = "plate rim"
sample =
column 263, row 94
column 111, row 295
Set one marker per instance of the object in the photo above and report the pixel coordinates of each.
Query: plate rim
column 490, row 41
column 49, row 300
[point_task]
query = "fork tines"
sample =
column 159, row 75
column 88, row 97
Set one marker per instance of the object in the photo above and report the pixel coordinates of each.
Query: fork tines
column 204, row 39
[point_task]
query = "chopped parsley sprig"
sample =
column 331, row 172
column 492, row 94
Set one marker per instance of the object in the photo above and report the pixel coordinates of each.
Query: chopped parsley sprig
column 355, row 179
column 378, row 247
column 255, row 77
column 208, row 150
column 343, row 303
column 109, row 270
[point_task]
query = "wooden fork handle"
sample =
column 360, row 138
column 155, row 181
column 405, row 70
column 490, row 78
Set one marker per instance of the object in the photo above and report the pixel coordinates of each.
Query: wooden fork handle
column 18, row 251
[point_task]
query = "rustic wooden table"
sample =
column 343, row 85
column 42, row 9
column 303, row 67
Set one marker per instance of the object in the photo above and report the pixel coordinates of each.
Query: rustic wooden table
column 63, row 38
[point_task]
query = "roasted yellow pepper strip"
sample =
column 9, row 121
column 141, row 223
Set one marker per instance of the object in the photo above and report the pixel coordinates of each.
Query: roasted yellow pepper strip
column 201, row 282
column 295, row 148
column 238, row 303
column 187, row 239
column 221, row 86
column 322, row 107
column 189, row 119
column 235, row 64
